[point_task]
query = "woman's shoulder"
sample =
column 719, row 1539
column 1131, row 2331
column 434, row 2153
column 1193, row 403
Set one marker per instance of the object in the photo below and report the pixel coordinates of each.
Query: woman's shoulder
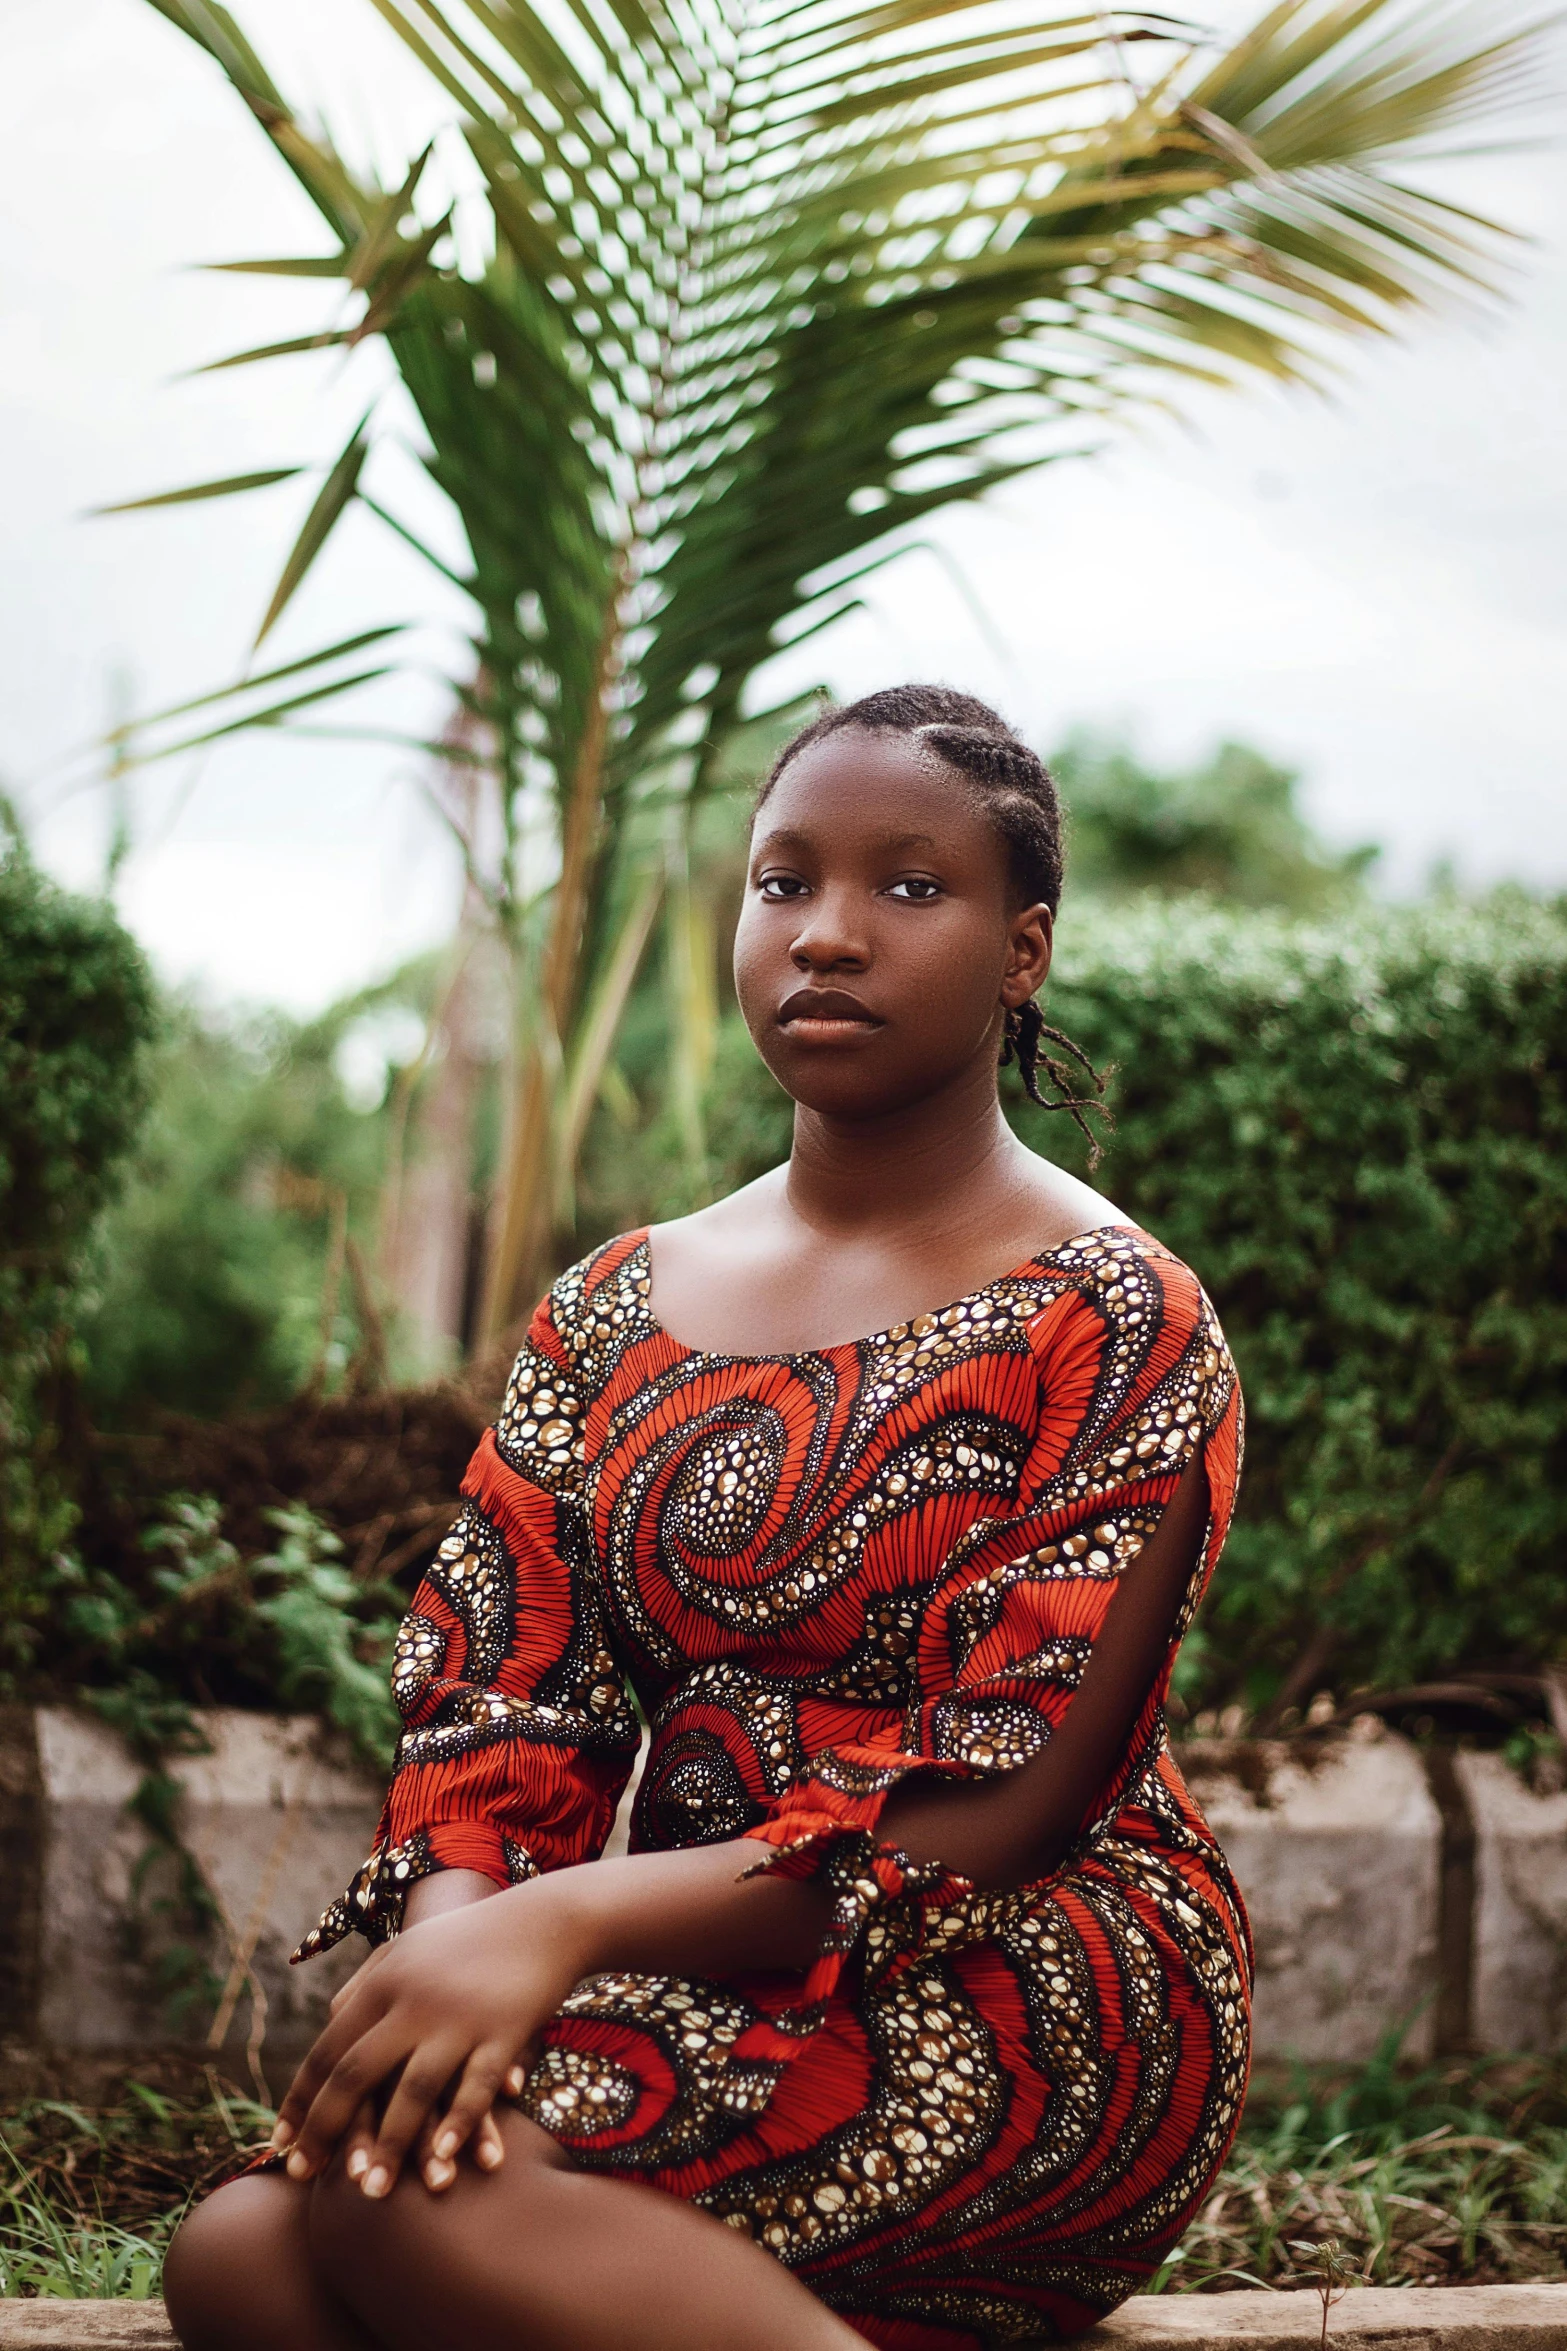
column 605, row 1291
column 1118, row 1285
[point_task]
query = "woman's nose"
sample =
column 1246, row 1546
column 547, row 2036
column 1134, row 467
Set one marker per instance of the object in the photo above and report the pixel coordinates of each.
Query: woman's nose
column 829, row 939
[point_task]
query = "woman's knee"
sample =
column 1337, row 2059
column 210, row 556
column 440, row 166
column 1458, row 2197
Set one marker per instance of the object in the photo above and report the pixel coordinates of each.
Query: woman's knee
column 230, row 2253
column 354, row 2238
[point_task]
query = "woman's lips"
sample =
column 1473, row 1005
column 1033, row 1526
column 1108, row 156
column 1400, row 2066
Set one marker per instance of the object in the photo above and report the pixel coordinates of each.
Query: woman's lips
column 815, row 1028
column 823, row 1016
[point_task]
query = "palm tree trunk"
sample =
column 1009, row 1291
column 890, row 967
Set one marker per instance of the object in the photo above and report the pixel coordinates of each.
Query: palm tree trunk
column 526, row 1251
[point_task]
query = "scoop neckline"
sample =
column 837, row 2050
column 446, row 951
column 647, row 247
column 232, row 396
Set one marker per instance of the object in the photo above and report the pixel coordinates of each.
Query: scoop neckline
column 644, row 1243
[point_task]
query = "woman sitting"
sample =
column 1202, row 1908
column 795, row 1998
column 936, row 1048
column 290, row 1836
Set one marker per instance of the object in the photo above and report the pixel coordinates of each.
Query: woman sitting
column 917, row 2014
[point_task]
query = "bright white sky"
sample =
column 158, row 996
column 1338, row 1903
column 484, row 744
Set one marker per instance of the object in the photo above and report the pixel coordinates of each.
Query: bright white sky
column 1372, row 588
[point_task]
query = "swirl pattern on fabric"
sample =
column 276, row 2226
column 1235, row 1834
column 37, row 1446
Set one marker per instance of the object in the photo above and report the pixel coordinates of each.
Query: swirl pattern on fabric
column 982, row 2116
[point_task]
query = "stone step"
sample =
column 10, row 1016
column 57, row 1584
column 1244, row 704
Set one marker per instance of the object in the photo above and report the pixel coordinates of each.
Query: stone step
column 1414, row 2318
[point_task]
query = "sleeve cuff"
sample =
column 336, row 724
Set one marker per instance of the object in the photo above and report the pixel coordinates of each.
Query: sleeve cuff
column 376, row 1897
column 827, row 1826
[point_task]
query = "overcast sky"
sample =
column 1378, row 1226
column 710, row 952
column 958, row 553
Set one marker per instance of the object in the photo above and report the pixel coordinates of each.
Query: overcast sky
column 1371, row 588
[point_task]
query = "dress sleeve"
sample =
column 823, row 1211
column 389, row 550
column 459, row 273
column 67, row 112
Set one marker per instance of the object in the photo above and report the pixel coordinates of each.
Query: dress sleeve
column 518, row 1736
column 1135, row 1381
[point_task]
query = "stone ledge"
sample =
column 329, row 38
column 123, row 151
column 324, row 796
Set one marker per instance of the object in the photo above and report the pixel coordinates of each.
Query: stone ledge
column 1414, row 2318
column 1338, row 1847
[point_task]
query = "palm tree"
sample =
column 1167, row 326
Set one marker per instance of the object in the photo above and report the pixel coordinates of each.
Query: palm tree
column 768, row 281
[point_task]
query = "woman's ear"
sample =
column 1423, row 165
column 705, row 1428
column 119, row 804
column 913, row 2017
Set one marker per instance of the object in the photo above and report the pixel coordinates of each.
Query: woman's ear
column 1029, row 942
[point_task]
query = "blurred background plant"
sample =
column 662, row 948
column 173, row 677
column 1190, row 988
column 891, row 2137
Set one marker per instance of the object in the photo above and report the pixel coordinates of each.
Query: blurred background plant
column 77, row 1014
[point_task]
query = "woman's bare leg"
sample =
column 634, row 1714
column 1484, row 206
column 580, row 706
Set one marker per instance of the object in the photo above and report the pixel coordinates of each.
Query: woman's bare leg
column 539, row 2256
column 239, row 2276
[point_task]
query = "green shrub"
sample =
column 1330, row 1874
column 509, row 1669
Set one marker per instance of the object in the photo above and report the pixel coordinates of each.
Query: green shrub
column 212, row 1261
column 1230, row 828
column 1358, row 1137
column 76, row 1010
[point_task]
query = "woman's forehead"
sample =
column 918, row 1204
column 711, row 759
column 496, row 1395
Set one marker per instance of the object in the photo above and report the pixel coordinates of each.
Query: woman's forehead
column 855, row 785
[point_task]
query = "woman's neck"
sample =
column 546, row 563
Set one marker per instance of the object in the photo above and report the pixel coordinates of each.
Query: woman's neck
column 944, row 1161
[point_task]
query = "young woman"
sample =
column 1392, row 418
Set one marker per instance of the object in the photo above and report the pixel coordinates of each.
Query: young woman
column 918, row 2013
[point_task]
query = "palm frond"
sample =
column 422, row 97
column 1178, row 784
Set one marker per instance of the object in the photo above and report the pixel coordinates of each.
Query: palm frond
column 766, row 288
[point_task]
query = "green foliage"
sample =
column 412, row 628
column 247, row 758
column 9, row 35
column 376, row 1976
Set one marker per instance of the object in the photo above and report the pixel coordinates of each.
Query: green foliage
column 308, row 1633
column 1391, row 2175
column 330, row 1659
column 76, row 1012
column 77, row 2259
column 89, row 2197
column 210, row 1294
column 1229, row 828
column 1358, row 1137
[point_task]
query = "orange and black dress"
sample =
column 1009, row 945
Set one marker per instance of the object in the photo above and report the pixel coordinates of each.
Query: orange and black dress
column 981, row 2116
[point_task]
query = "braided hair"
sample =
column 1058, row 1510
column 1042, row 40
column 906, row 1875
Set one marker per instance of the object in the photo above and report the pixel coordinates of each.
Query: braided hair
column 1019, row 796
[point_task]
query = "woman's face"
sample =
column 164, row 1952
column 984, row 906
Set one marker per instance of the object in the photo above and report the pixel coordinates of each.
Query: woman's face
column 878, row 943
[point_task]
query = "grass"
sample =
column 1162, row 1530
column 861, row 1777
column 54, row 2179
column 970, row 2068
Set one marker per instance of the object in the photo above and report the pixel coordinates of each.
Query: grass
column 89, row 2198
column 1452, row 2174
column 1442, row 2175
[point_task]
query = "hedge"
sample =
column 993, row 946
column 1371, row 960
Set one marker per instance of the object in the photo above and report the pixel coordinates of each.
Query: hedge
column 1358, row 1136
column 76, row 1010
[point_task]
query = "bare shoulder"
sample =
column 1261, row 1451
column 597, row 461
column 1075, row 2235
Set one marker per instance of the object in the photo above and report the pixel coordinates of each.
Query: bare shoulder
column 1053, row 1207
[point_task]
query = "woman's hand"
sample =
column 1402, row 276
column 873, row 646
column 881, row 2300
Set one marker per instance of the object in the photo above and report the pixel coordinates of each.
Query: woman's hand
column 444, row 2012
column 432, row 1897
column 448, row 2011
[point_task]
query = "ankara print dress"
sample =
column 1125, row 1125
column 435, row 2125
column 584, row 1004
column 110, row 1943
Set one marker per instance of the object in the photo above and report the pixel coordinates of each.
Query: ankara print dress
column 980, row 2116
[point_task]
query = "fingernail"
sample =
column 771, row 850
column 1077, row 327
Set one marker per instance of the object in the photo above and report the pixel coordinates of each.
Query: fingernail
column 439, row 2175
column 377, row 2182
column 298, row 2165
column 282, row 2136
column 489, row 2153
column 514, row 2082
column 357, row 2163
column 445, row 2145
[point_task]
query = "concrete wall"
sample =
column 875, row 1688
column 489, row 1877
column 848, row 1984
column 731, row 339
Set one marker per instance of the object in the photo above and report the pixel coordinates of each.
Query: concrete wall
column 1378, row 1890
column 1338, row 1856
column 277, row 1820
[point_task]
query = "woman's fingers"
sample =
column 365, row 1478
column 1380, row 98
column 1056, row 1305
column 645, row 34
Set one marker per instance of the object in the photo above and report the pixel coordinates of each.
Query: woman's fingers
column 432, row 2169
column 355, row 2077
column 438, row 2171
column 489, row 2148
column 424, row 2078
column 358, row 2140
column 430, row 2067
column 348, row 2023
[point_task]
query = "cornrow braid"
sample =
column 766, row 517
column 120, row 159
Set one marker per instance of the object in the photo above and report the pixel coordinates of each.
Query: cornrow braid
column 1019, row 796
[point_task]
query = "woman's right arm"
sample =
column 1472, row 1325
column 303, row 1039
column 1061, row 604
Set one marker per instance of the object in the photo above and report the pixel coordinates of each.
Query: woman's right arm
column 517, row 1735
column 449, row 1889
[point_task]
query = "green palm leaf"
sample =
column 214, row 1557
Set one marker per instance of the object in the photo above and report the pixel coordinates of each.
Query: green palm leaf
column 767, row 287
column 224, row 489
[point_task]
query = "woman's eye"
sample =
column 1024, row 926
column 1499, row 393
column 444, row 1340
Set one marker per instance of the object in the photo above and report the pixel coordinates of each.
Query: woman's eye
column 917, row 889
column 781, row 885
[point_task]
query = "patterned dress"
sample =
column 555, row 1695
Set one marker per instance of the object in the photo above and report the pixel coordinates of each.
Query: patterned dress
column 981, row 2116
